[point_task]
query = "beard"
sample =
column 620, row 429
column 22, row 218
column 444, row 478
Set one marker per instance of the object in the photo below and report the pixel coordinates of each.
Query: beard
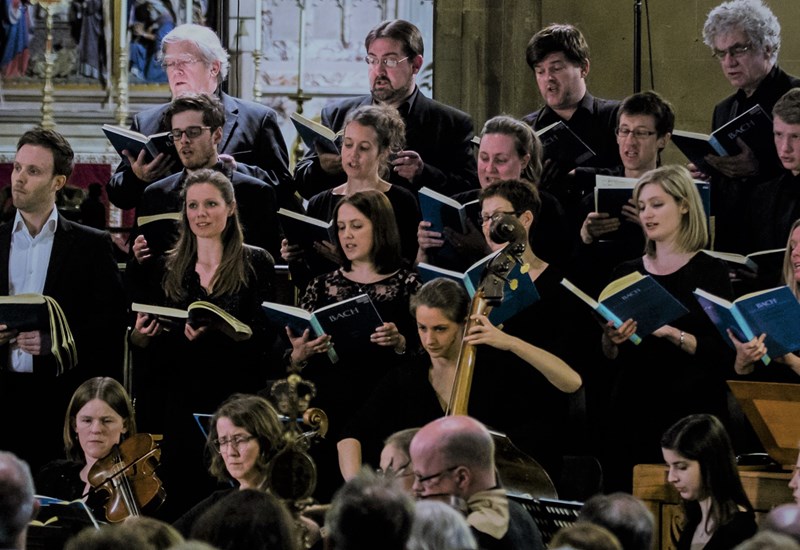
column 388, row 93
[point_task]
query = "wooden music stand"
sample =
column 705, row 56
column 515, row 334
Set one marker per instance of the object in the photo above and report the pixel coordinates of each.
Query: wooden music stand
column 773, row 410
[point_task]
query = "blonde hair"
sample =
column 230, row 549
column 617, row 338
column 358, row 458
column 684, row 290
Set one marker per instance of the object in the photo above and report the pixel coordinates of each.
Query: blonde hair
column 788, row 270
column 676, row 181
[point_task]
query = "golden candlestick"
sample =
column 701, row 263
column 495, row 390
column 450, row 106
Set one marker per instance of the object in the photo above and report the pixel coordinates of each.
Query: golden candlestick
column 48, row 120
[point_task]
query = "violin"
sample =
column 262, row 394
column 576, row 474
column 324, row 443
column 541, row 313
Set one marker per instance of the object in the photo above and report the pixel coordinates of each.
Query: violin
column 519, row 472
column 128, row 475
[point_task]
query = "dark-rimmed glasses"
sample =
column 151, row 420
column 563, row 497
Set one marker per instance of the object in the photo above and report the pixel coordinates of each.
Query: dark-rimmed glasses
column 191, row 132
column 638, row 133
column 425, row 480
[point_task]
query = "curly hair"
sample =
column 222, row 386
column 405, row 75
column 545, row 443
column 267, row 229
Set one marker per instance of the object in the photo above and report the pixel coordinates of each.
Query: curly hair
column 752, row 17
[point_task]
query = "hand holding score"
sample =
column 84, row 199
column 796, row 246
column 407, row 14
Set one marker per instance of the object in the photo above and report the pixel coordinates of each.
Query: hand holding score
column 140, row 249
column 35, row 342
column 151, row 171
column 389, row 335
column 7, row 336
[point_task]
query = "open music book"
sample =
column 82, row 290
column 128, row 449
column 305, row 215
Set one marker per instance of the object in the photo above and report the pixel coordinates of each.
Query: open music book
column 198, row 314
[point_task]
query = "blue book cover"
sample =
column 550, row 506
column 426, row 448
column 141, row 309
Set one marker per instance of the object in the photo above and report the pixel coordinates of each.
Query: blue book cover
column 443, row 211
column 560, row 143
column 774, row 312
column 754, row 126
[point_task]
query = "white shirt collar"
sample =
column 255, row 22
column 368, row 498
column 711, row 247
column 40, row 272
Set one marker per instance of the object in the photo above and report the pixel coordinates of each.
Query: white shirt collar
column 49, row 227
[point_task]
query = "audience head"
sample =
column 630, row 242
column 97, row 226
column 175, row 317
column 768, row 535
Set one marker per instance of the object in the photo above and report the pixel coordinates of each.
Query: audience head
column 209, row 212
column 194, row 59
column 394, row 54
column 99, row 414
column 517, row 197
column 369, row 512
column 452, row 456
column 745, row 36
column 644, row 125
column 109, row 537
column 441, row 307
column 42, row 164
column 702, row 466
column 786, row 130
column 245, row 433
column 783, row 519
column 768, row 540
column 17, row 503
column 247, row 519
column 367, row 231
column 680, row 218
column 439, row 526
column 509, row 149
column 371, row 134
column 624, row 515
column 559, row 56
column 188, row 117
column 395, row 460
column 583, row 535
column 159, row 534
column 791, row 274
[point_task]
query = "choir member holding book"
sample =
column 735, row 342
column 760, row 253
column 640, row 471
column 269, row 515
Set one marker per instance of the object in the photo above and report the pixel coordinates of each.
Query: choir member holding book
column 748, row 354
column 644, row 124
column 368, row 242
column 523, row 382
column 372, row 134
column 209, row 262
column 680, row 368
column 508, row 149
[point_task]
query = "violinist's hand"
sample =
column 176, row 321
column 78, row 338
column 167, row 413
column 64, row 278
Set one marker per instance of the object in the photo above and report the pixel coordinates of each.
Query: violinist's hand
column 737, row 166
column 747, row 353
column 303, row 346
column 140, row 249
column 696, row 173
column 327, row 250
column 7, row 336
column 483, row 331
column 151, row 171
column 193, row 334
column 331, row 163
column 35, row 342
column 291, row 252
column 147, row 325
column 388, row 335
column 597, row 224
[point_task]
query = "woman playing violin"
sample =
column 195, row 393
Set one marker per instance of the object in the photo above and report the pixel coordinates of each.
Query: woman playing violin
column 99, row 415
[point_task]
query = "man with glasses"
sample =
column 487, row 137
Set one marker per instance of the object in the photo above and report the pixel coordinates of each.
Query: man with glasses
column 196, row 122
column 438, row 150
column 453, row 456
column 250, row 139
column 745, row 36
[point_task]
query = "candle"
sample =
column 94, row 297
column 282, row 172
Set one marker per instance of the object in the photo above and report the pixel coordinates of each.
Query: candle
column 259, row 22
column 189, row 11
column 301, row 40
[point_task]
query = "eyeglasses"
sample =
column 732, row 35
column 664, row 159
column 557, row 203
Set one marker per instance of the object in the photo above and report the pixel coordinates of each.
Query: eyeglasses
column 181, row 64
column 638, row 133
column 483, row 219
column 191, row 132
column 425, row 480
column 236, row 442
column 737, row 50
column 373, row 61
column 399, row 472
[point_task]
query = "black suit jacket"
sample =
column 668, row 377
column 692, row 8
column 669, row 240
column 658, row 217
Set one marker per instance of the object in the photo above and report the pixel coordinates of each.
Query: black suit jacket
column 440, row 134
column 255, row 200
column 82, row 276
column 250, row 134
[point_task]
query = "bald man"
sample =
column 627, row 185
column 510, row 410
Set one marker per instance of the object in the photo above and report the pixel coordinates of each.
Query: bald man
column 454, row 457
column 17, row 504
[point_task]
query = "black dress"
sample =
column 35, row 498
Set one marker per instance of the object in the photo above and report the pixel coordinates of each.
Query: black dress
column 181, row 377
column 657, row 383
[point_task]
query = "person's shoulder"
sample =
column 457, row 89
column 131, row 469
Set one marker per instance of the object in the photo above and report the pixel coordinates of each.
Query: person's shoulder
column 345, row 105
column 530, row 118
column 149, row 120
column 82, row 231
column 259, row 256
column 424, row 102
column 164, row 185
column 240, row 178
column 245, row 107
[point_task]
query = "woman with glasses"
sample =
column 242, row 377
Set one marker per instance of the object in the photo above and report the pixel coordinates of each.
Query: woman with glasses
column 194, row 365
column 371, row 134
column 509, row 149
column 515, row 385
column 245, row 433
column 99, row 416
column 681, row 368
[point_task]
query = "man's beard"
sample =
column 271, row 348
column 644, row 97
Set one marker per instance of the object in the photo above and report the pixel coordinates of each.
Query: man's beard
column 388, row 94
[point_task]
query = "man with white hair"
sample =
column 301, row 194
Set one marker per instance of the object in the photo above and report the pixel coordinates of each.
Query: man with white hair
column 17, row 503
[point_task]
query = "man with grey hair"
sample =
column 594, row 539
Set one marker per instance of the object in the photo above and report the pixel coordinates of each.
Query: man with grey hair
column 745, row 36
column 624, row 515
column 196, row 62
column 17, row 503
column 369, row 512
column 453, row 456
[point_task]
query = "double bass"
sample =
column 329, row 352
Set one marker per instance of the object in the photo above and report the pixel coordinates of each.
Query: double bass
column 128, row 475
column 518, row 472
